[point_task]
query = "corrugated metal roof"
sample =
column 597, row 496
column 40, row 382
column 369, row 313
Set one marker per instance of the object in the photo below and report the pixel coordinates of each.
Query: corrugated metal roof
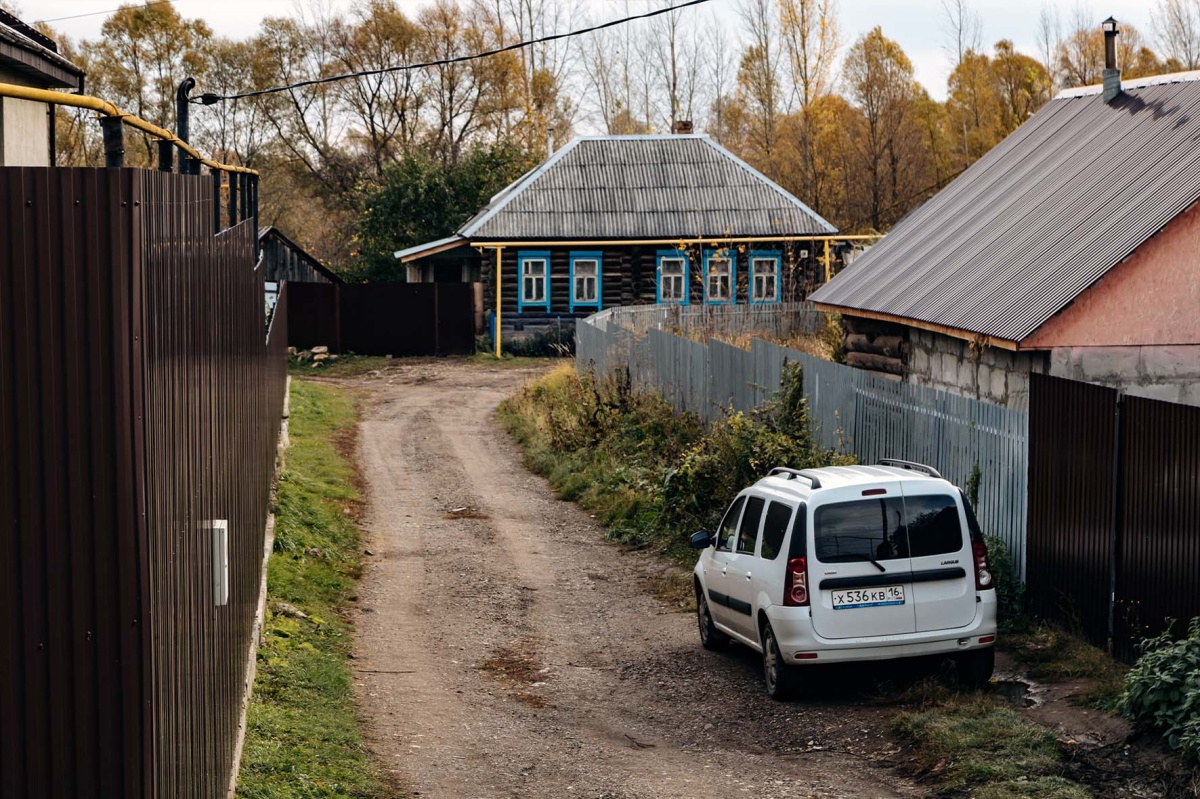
column 1040, row 218
column 631, row 187
column 429, row 248
column 26, row 50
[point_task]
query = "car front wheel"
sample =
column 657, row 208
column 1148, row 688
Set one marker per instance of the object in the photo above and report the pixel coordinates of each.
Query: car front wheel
column 782, row 680
column 710, row 637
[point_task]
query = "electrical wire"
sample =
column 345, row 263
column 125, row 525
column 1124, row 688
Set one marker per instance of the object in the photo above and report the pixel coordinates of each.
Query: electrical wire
column 210, row 98
column 98, row 13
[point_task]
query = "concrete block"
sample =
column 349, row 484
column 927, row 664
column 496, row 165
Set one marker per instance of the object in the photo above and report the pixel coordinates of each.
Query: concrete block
column 948, row 372
column 1171, row 362
column 999, row 386
column 1165, row 392
column 919, row 362
column 1102, row 363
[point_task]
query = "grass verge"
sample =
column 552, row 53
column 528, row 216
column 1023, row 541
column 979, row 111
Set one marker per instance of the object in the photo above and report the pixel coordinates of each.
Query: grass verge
column 987, row 749
column 343, row 366
column 302, row 738
column 1052, row 654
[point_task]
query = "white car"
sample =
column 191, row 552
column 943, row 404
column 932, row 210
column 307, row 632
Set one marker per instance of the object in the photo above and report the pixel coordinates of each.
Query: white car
column 848, row 564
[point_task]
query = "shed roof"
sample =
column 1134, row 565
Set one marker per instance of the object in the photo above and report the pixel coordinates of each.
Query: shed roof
column 34, row 55
column 638, row 187
column 1040, row 218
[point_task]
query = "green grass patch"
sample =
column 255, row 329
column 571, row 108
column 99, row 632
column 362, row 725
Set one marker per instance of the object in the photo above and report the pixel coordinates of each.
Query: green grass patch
column 302, row 737
column 1052, row 654
column 986, row 748
column 342, row 366
column 650, row 475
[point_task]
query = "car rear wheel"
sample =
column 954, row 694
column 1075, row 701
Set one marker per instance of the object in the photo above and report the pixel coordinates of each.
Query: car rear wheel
column 710, row 637
column 975, row 667
column 783, row 681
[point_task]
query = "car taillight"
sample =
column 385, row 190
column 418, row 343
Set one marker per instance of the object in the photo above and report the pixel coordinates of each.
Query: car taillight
column 983, row 572
column 795, row 586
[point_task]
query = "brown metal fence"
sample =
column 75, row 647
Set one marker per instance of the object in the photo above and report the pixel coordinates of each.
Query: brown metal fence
column 384, row 319
column 1114, row 511
column 1158, row 564
column 140, row 399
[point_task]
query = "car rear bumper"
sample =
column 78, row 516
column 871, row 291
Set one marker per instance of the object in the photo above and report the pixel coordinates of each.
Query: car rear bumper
column 795, row 635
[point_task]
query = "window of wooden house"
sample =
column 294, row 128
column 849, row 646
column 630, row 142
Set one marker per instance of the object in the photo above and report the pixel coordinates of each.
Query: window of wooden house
column 764, row 278
column 672, row 278
column 534, row 270
column 719, row 279
column 585, row 279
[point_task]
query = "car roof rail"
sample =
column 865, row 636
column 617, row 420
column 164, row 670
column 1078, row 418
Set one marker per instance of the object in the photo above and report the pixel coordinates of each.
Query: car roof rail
column 911, row 466
column 792, row 474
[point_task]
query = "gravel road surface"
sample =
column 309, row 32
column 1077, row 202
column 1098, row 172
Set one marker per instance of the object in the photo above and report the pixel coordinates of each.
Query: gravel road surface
column 505, row 649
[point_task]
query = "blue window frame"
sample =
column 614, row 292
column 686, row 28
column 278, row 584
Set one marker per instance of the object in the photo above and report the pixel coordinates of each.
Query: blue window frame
column 533, row 280
column 764, row 277
column 672, row 277
column 586, row 279
column 720, row 277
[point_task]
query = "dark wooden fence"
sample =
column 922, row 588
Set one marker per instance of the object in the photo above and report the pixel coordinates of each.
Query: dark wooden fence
column 384, row 319
column 140, row 399
column 1114, row 512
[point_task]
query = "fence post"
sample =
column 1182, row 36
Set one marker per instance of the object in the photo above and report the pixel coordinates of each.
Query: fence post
column 216, row 181
column 233, row 199
column 113, row 129
column 166, row 156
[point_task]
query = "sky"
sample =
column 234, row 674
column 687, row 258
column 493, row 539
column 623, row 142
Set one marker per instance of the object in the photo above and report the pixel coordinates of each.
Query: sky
column 916, row 24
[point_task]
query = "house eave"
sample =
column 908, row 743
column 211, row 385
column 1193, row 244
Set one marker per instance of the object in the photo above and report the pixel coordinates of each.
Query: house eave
column 933, row 327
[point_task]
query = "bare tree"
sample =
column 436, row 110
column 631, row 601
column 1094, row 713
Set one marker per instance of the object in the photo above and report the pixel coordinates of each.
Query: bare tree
column 962, row 28
column 1049, row 35
column 759, row 78
column 1176, row 25
column 720, row 69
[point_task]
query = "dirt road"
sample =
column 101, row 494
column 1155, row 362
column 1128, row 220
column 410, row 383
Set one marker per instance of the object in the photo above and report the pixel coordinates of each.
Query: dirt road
column 506, row 650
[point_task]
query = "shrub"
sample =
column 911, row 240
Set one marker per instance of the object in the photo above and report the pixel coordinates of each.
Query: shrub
column 1162, row 692
column 652, row 475
column 1010, row 591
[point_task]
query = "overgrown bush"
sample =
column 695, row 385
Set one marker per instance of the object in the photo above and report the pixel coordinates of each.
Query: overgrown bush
column 1162, row 692
column 1010, row 591
column 652, row 475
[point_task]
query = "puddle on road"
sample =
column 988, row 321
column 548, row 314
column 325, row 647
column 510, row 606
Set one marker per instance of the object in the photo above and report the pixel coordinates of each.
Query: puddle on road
column 1017, row 692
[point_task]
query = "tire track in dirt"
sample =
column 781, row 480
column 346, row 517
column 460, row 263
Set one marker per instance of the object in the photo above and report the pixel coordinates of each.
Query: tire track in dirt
column 506, row 650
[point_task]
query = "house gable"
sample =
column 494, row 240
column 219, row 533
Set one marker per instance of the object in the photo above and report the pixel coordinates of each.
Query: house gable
column 1151, row 298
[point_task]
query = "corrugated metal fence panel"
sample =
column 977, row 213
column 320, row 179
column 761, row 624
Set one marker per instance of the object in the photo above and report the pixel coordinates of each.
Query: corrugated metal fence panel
column 138, row 399
column 72, row 678
column 1160, row 521
column 850, row 410
column 1072, row 439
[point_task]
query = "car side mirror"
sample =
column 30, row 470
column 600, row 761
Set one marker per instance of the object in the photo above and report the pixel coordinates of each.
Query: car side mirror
column 701, row 540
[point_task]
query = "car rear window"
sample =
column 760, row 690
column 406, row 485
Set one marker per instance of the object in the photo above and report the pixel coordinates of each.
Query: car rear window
column 933, row 525
column 865, row 529
column 748, row 534
column 775, row 528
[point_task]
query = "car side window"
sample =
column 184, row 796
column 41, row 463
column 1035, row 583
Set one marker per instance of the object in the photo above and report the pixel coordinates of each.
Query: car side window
column 748, row 532
column 775, row 528
column 727, row 532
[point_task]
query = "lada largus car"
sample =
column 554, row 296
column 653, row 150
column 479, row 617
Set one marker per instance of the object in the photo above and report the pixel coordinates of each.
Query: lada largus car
column 848, row 563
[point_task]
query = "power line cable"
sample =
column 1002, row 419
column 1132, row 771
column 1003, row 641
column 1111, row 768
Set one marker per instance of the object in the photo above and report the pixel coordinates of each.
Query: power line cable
column 211, row 98
column 98, row 13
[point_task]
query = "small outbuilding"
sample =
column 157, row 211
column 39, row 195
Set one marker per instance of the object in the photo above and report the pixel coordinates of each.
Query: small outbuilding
column 1071, row 249
column 29, row 58
column 628, row 220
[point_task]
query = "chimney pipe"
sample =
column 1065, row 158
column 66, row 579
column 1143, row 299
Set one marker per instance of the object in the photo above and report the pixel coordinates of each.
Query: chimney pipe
column 1112, row 75
column 549, row 142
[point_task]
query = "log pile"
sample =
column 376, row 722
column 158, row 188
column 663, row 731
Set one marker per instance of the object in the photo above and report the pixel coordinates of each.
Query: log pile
column 875, row 346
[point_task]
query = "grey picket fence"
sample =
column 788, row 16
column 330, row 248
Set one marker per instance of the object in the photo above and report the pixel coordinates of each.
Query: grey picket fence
column 850, row 410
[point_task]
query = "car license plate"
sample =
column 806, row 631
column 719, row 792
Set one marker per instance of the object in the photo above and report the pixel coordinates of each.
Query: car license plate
column 868, row 597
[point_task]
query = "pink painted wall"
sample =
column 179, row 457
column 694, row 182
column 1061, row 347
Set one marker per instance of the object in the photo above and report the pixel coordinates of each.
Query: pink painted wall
column 1153, row 297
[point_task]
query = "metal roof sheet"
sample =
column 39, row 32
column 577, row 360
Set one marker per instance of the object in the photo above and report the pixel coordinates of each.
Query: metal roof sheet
column 633, row 187
column 1041, row 217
